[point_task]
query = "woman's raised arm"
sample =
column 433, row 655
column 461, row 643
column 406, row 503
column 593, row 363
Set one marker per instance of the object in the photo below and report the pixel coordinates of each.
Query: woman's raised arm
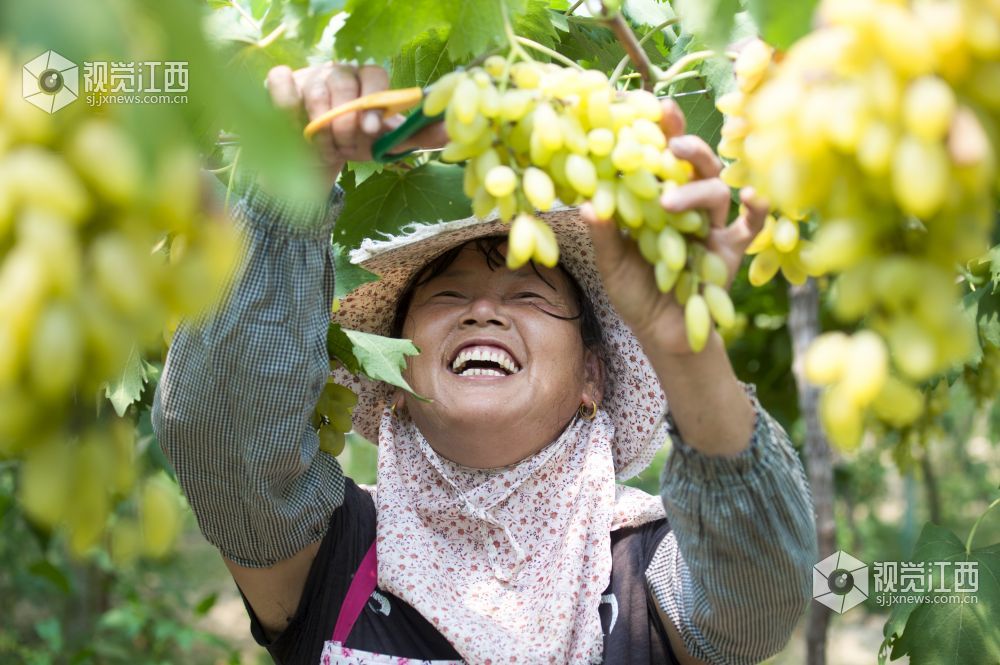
column 232, row 410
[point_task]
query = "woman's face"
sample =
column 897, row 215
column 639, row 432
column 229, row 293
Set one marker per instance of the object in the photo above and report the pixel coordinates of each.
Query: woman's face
column 505, row 377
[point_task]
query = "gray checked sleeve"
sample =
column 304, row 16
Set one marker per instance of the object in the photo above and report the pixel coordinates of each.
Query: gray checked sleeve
column 233, row 406
column 734, row 573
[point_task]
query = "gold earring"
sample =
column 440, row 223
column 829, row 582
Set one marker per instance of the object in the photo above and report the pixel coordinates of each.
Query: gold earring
column 583, row 409
column 392, row 410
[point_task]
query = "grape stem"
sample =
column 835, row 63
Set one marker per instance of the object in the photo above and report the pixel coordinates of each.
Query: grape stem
column 573, row 7
column 272, row 36
column 616, row 75
column 623, row 33
column 693, row 74
column 515, row 45
column 968, row 543
column 555, row 55
column 676, row 70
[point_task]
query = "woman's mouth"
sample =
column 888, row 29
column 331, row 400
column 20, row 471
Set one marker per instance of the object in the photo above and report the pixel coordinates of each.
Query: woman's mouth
column 484, row 360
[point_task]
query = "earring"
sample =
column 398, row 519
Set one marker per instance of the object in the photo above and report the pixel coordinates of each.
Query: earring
column 583, row 410
column 392, row 410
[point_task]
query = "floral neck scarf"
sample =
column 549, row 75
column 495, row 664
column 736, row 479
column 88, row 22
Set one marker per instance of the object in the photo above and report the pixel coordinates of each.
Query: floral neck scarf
column 505, row 561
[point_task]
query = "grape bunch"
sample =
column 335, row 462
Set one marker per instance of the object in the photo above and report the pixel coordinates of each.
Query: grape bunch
column 102, row 248
column 332, row 416
column 871, row 125
column 533, row 133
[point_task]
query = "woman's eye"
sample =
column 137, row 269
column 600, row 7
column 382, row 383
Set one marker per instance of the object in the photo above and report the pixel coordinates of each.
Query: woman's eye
column 448, row 294
column 528, row 294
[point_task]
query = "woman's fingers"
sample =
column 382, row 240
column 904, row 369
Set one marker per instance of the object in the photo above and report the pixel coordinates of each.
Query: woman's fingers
column 372, row 79
column 281, row 85
column 316, row 100
column 711, row 195
column 343, row 86
column 750, row 221
column 672, row 122
column 696, row 151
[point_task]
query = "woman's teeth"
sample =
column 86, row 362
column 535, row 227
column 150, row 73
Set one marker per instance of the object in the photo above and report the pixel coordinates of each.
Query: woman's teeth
column 478, row 355
column 482, row 371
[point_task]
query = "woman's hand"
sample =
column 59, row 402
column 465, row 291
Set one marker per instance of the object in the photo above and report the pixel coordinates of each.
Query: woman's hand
column 317, row 89
column 656, row 318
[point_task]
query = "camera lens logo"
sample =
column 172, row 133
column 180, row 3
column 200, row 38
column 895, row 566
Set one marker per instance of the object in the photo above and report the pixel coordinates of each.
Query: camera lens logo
column 50, row 81
column 840, row 581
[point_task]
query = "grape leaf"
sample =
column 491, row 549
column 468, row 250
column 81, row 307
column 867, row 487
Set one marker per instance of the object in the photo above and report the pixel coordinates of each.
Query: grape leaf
column 363, row 170
column 703, row 119
column 477, row 26
column 382, row 358
column 387, row 201
column 127, row 388
column 970, row 308
column 711, row 20
column 348, row 276
column 782, row 21
column 422, row 61
column 942, row 633
column 378, row 28
column 340, row 348
column 592, row 46
column 539, row 23
column 988, row 317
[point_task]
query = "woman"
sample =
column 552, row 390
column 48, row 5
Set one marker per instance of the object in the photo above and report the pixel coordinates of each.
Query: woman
column 496, row 531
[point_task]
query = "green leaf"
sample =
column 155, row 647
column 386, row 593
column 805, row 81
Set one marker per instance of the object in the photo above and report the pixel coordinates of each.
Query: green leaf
column 478, row 26
column 422, row 61
column 970, row 308
column 383, row 358
column 711, row 20
column 703, row 119
column 592, row 46
column 46, row 571
column 50, row 630
column 205, row 604
column 782, row 22
column 127, row 388
column 364, row 170
column 387, row 201
column 348, row 276
column 378, row 28
column 941, row 633
column 988, row 318
column 539, row 23
column 340, row 348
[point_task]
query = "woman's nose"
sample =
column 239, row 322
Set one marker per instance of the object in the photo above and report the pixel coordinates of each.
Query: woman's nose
column 485, row 311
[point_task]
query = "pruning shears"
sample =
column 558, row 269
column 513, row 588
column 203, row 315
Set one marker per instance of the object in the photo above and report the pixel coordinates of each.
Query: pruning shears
column 389, row 102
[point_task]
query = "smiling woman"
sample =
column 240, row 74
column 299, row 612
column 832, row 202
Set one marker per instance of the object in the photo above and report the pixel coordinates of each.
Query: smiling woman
column 498, row 529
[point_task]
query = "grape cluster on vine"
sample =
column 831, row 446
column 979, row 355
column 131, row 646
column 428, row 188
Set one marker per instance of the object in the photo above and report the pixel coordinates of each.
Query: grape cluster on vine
column 534, row 133
column 875, row 126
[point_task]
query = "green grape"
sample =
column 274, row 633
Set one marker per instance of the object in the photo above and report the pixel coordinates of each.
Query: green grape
column 500, row 181
column 538, row 188
column 672, row 248
column 826, row 357
column 713, row 270
column 581, row 175
column 697, row 322
column 720, row 305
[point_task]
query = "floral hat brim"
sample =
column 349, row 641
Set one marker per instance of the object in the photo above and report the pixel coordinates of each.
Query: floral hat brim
column 633, row 397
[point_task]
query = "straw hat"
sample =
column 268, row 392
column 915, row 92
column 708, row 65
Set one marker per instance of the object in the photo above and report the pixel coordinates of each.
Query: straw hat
column 633, row 397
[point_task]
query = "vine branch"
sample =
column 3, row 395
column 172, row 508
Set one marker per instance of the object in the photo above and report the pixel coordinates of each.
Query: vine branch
column 623, row 33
